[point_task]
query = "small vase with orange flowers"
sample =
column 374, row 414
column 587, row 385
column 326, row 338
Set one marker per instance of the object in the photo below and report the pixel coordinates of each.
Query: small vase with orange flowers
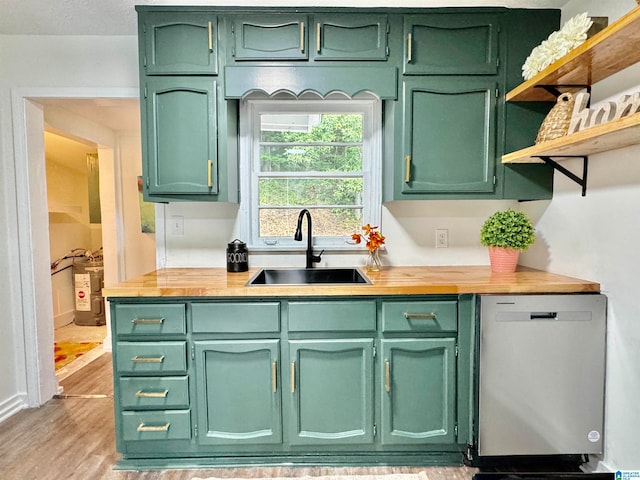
column 374, row 240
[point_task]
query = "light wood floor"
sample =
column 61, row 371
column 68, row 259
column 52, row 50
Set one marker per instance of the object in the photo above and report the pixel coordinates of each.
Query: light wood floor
column 73, row 438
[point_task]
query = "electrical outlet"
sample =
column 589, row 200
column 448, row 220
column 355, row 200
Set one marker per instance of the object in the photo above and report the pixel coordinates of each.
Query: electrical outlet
column 442, row 238
column 176, row 225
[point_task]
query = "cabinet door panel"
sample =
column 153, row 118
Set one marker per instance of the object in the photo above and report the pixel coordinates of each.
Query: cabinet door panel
column 270, row 37
column 449, row 135
column 331, row 392
column 238, row 394
column 184, row 44
column 419, row 394
column 449, row 44
column 350, row 37
column 181, row 135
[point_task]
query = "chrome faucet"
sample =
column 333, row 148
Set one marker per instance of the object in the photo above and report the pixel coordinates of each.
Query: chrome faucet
column 311, row 258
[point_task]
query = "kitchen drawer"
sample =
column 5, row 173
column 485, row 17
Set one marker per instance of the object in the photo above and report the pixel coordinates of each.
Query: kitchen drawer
column 347, row 316
column 151, row 357
column 426, row 316
column 154, row 392
column 246, row 317
column 160, row 425
column 150, row 319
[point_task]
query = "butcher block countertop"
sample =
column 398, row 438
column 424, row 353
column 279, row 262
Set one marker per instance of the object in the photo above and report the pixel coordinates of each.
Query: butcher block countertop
column 426, row 280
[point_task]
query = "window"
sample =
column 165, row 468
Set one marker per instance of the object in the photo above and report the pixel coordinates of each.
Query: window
column 322, row 155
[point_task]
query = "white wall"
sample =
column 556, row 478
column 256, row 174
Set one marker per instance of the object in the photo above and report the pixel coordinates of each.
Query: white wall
column 409, row 228
column 596, row 237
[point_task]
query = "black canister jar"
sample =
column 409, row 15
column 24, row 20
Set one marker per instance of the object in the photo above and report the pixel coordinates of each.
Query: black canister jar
column 237, row 256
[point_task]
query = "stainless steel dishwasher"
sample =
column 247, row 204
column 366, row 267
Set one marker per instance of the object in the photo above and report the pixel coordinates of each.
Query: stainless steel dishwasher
column 542, row 367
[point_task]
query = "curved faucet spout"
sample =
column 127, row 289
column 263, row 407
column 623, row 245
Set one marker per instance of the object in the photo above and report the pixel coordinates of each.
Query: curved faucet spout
column 311, row 258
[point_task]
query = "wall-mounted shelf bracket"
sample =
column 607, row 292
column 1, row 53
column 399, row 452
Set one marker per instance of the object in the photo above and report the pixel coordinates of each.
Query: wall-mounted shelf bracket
column 585, row 165
column 553, row 89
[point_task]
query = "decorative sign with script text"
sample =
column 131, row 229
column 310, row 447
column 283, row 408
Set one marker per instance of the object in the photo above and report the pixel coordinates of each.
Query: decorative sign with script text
column 584, row 117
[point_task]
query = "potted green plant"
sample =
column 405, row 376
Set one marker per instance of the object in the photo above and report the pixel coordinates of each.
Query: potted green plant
column 506, row 233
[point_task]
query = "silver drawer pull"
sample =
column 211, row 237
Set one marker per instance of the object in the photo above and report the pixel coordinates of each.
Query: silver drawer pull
column 153, row 428
column 143, row 394
column 138, row 321
column 420, row 316
column 137, row 359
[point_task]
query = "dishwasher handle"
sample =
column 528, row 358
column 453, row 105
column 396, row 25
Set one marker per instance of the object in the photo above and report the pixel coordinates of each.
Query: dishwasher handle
column 543, row 316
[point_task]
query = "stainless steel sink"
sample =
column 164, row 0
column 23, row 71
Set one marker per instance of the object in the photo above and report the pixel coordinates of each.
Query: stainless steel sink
column 308, row 276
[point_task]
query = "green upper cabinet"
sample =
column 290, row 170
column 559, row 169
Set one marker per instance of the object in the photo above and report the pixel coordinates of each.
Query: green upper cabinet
column 181, row 136
column 331, row 392
column 238, row 400
column 451, row 44
column 270, row 37
column 448, row 136
column 350, row 37
column 179, row 43
column 419, row 395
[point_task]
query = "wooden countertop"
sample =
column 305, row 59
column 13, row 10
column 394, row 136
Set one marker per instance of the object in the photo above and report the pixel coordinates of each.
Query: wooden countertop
column 216, row 282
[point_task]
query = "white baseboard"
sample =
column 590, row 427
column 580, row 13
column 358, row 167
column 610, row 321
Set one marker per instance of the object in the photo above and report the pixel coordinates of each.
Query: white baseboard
column 64, row 318
column 11, row 406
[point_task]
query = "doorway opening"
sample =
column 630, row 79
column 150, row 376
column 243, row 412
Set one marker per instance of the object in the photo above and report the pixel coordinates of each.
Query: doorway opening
column 75, row 239
column 79, row 114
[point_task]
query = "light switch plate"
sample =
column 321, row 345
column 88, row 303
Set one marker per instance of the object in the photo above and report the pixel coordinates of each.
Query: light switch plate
column 176, row 225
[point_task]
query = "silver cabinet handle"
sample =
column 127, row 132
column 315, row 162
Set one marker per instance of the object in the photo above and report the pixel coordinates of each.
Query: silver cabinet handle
column 409, row 48
column 138, row 359
column 420, row 316
column 142, row 321
column 153, row 428
column 143, row 394
column 318, row 27
column 302, row 37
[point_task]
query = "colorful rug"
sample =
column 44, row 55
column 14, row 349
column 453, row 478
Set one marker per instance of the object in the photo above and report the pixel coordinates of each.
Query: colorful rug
column 66, row 352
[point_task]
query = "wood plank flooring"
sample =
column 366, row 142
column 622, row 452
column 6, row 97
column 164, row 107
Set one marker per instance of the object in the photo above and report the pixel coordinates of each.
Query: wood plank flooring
column 73, row 438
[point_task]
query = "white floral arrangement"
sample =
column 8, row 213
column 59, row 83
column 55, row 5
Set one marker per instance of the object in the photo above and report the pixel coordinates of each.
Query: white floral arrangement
column 559, row 43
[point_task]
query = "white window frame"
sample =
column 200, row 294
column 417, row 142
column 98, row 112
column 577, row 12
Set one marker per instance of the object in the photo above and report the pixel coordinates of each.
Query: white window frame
column 250, row 111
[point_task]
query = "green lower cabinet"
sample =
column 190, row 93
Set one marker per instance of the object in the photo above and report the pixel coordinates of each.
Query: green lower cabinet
column 419, row 391
column 238, row 396
column 331, row 392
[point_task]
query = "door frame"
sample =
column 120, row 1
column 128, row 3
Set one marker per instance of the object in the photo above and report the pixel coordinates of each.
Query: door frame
column 35, row 331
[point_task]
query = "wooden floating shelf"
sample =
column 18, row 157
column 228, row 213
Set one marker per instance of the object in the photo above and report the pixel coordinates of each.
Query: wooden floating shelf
column 607, row 52
column 600, row 138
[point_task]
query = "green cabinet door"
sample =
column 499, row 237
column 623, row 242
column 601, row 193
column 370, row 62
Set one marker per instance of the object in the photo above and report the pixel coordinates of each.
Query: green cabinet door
column 181, row 149
column 419, row 391
column 180, row 43
column 238, row 392
column 449, row 136
column 330, row 392
column 350, row 37
column 451, row 44
column 270, row 37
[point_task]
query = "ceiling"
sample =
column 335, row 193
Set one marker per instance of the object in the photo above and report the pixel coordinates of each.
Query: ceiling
column 118, row 17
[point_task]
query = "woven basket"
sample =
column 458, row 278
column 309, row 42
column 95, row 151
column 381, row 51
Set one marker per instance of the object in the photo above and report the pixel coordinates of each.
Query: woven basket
column 556, row 123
